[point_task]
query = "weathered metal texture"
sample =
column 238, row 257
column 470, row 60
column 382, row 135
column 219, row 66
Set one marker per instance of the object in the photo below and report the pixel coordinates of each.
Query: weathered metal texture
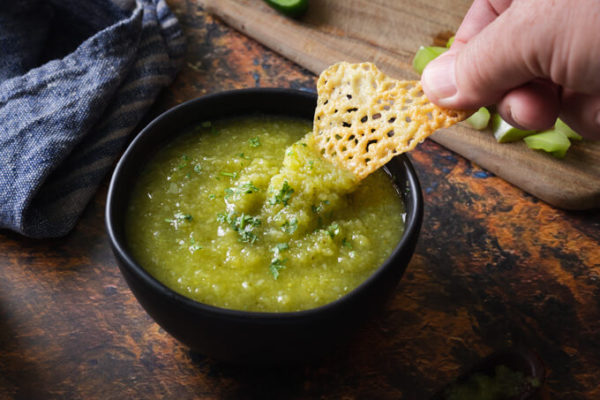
column 494, row 267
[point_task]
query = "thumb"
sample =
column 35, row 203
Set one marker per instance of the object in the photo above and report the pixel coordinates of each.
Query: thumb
column 497, row 59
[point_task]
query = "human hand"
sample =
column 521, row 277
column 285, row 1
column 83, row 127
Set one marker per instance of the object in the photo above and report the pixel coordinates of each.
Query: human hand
column 535, row 59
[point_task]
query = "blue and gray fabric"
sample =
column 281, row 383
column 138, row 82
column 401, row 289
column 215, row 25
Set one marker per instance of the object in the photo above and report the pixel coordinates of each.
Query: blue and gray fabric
column 76, row 77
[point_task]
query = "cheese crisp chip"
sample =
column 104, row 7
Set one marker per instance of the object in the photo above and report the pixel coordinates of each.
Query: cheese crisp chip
column 365, row 118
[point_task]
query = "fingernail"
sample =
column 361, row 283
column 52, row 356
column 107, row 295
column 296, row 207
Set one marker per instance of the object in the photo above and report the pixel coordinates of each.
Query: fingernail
column 438, row 78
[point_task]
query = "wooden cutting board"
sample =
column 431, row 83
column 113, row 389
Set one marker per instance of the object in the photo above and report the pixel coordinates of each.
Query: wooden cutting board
column 388, row 33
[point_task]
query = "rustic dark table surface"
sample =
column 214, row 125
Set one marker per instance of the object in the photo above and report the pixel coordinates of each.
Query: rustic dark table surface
column 494, row 267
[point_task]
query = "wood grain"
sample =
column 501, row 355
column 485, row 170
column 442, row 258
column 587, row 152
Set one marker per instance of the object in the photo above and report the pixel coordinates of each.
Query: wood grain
column 388, row 34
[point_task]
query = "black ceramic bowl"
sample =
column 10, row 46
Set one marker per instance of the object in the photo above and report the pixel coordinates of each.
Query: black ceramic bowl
column 239, row 336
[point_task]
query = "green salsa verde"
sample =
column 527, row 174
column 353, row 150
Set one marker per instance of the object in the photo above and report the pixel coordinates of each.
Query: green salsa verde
column 244, row 214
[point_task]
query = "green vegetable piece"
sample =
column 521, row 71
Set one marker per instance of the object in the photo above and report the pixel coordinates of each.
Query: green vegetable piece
column 553, row 141
column 449, row 42
column 291, row 8
column 564, row 128
column 197, row 168
column 505, row 133
column 480, row 120
column 206, row 124
column 346, row 243
column 424, row 55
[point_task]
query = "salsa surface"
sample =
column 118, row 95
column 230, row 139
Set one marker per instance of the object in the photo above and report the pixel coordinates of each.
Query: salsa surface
column 243, row 214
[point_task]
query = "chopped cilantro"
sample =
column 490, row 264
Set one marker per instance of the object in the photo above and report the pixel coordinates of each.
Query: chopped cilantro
column 248, row 188
column 178, row 218
column 242, row 224
column 318, row 209
column 184, row 163
column 245, row 157
column 283, row 196
column 254, row 142
column 346, row 243
column 222, row 217
column 333, row 229
column 237, row 192
column 281, row 246
column 311, row 164
column 229, row 192
column 248, row 237
column 181, row 216
column 232, row 175
column 277, row 264
column 194, row 246
column 290, row 226
column 211, row 196
column 197, row 168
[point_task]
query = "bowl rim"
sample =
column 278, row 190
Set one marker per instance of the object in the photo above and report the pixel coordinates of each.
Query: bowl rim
column 412, row 223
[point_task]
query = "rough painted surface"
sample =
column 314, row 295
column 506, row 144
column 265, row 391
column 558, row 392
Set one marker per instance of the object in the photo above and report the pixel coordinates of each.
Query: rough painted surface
column 493, row 267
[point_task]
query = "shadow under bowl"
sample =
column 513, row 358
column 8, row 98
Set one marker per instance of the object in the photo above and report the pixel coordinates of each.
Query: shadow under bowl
column 243, row 336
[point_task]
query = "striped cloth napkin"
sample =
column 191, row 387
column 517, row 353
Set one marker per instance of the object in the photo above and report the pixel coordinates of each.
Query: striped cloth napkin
column 76, row 77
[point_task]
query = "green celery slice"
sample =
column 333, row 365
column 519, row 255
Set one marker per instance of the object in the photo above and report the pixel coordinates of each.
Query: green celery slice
column 424, row 55
column 480, row 120
column 553, row 141
column 564, row 128
column 505, row 132
column 291, row 8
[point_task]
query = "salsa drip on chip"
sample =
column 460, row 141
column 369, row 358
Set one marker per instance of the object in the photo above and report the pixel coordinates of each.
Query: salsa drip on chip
column 364, row 118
